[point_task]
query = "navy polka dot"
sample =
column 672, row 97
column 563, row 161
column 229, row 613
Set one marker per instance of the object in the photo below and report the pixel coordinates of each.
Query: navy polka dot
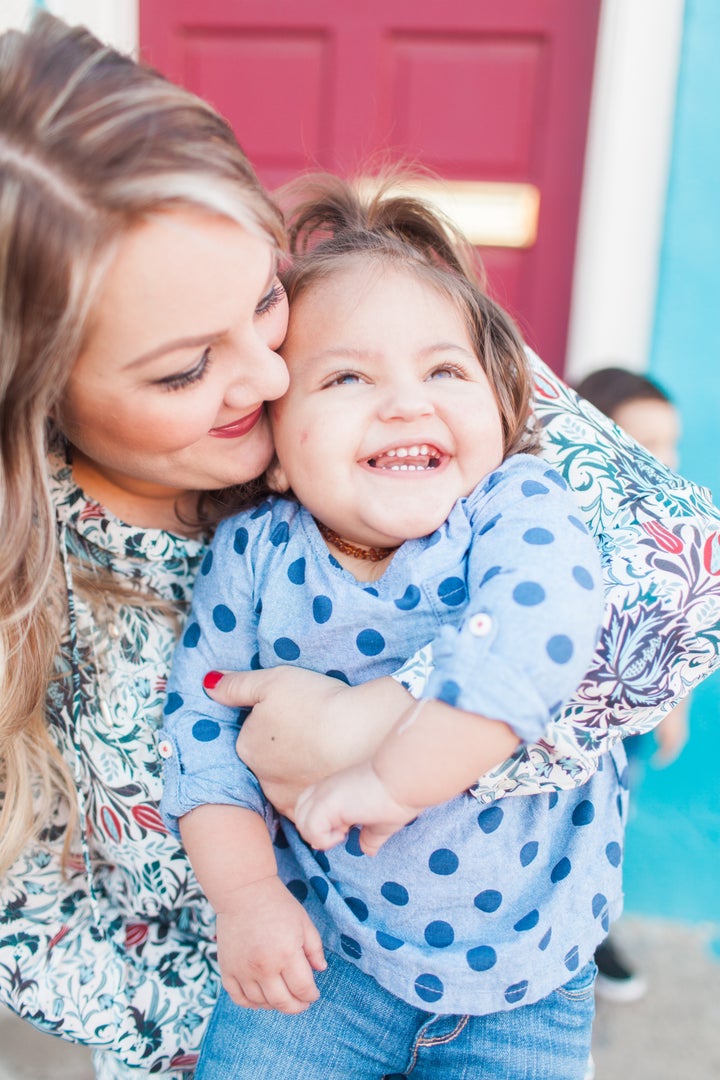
column 395, row 893
column 240, row 541
column 298, row 889
column 489, row 900
column 439, row 934
column 583, row 813
column 205, row 730
column 583, row 577
column 429, row 987
column 207, row 562
column 322, row 609
column 528, row 593
column 286, row 648
column 280, row 534
column 552, row 799
column 560, row 648
column 613, row 851
column 358, row 907
column 280, row 840
column 223, row 618
column 452, row 591
column 489, row 525
column 321, row 888
column 449, row 692
column 516, row 992
column 482, row 958
column 296, row 572
column 599, row 904
column 352, row 843
column 387, row 941
column 333, row 674
column 173, row 702
column 191, row 635
column 370, row 642
column 333, row 561
column 528, row 922
column 323, row 862
column 371, row 590
column 533, row 487
column 528, row 852
column 443, row 861
column 577, row 523
column 492, row 480
column 572, row 958
column 560, row 870
column 489, row 820
column 538, row 536
column 255, row 664
column 555, row 477
column 489, row 574
column 261, row 510
column 409, row 599
column 545, row 940
column 350, row 947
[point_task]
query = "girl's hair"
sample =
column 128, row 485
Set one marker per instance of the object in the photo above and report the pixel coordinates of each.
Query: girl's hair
column 610, row 387
column 91, row 144
column 332, row 223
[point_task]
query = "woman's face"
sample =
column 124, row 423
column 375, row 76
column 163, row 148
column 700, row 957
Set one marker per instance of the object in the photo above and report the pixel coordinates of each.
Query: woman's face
column 167, row 396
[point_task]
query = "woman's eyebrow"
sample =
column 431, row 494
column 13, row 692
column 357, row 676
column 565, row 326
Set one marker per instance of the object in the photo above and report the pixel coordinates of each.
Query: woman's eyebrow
column 172, row 346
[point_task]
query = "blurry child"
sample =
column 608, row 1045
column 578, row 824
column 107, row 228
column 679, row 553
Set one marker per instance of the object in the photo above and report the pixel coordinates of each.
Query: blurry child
column 645, row 412
column 411, row 513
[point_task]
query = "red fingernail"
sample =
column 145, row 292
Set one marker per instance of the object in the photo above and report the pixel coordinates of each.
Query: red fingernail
column 212, row 679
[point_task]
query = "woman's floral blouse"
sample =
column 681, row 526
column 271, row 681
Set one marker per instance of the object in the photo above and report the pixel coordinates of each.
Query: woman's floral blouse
column 119, row 953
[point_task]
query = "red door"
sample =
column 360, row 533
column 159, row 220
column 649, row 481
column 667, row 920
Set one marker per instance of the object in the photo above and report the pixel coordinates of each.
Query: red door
column 477, row 90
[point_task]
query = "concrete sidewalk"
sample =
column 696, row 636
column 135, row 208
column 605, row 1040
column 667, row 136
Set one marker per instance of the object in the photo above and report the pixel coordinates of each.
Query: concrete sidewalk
column 673, row 1033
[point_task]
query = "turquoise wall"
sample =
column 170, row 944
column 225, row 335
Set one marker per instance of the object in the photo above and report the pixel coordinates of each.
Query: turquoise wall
column 673, row 846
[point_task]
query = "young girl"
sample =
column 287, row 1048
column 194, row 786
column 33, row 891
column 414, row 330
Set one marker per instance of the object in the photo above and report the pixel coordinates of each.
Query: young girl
column 413, row 507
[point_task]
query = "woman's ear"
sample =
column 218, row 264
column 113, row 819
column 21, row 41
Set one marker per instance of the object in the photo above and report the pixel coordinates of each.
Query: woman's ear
column 275, row 477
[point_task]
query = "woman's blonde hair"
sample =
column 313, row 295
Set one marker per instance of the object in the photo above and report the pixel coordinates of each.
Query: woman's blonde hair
column 333, row 223
column 91, row 143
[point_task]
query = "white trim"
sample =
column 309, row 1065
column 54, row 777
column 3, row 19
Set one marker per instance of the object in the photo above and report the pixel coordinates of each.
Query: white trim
column 113, row 21
column 624, row 187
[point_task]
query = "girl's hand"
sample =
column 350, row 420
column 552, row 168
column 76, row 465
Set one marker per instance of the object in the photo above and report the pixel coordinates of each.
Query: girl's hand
column 303, row 726
column 356, row 796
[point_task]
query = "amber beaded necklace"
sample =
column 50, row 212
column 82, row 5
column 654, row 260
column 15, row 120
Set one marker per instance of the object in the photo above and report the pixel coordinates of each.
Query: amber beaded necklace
column 370, row 554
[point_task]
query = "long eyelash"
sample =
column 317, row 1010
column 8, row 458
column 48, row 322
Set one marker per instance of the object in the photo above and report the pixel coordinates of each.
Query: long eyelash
column 186, row 378
column 271, row 300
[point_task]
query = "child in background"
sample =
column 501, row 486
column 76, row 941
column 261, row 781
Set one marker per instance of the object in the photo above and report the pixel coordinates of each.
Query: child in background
column 413, row 510
column 646, row 413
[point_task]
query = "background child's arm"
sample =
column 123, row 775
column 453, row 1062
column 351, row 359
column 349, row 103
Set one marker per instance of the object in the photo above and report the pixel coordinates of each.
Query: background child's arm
column 267, row 944
column 433, row 754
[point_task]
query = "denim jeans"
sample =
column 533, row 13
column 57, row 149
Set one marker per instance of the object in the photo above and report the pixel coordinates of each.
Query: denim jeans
column 357, row 1029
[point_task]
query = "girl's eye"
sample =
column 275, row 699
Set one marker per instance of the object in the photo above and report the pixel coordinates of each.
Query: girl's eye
column 345, row 378
column 186, row 378
column 447, row 371
column 271, row 299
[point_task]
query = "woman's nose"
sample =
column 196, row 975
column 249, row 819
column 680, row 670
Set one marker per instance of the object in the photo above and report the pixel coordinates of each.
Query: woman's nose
column 261, row 374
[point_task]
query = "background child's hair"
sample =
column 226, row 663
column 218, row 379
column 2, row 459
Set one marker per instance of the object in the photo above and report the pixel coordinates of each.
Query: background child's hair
column 332, row 222
column 610, row 387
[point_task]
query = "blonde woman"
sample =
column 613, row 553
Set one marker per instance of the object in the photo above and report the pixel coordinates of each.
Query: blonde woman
column 139, row 314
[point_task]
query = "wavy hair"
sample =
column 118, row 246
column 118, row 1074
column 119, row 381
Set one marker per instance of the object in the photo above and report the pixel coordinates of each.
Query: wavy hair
column 91, row 143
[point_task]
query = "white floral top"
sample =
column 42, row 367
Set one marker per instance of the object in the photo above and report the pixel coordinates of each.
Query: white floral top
column 120, row 955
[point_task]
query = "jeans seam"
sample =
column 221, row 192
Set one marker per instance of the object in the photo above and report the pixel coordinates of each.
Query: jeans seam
column 439, row 1040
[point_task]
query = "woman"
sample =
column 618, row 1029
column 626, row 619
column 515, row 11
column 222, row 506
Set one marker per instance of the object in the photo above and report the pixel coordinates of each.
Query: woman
column 139, row 317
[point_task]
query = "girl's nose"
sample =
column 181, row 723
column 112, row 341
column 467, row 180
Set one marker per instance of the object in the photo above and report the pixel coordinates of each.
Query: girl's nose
column 406, row 401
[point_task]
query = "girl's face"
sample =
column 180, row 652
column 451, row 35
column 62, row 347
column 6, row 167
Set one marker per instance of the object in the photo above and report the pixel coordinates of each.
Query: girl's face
column 389, row 418
column 167, row 396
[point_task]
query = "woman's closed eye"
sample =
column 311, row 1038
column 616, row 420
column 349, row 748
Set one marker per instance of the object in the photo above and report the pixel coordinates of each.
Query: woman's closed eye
column 187, row 378
column 271, row 299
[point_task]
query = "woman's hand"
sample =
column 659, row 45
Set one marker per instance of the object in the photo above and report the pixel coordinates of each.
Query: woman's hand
column 304, row 726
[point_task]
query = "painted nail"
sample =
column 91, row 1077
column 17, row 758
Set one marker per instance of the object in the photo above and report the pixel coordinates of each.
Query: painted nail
column 212, row 679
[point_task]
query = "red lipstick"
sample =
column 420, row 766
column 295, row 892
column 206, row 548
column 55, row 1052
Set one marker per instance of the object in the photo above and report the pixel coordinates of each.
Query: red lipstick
column 238, row 427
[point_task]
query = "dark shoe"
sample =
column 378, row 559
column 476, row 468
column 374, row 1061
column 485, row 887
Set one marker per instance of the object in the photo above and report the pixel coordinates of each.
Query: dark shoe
column 616, row 980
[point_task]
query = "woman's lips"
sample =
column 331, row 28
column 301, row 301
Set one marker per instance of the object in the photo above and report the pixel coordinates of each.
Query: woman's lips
column 238, row 427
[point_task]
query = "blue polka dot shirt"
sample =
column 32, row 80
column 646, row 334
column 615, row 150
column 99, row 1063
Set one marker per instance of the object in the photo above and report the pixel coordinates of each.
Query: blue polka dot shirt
column 467, row 909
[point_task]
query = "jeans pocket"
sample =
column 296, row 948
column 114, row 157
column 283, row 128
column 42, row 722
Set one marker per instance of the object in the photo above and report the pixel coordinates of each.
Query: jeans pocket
column 582, row 984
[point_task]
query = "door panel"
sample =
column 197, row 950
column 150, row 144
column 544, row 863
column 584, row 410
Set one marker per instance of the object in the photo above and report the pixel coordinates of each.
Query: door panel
column 490, row 90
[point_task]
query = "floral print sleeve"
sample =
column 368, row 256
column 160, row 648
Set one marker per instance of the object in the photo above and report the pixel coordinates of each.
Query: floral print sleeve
column 659, row 537
column 118, row 953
